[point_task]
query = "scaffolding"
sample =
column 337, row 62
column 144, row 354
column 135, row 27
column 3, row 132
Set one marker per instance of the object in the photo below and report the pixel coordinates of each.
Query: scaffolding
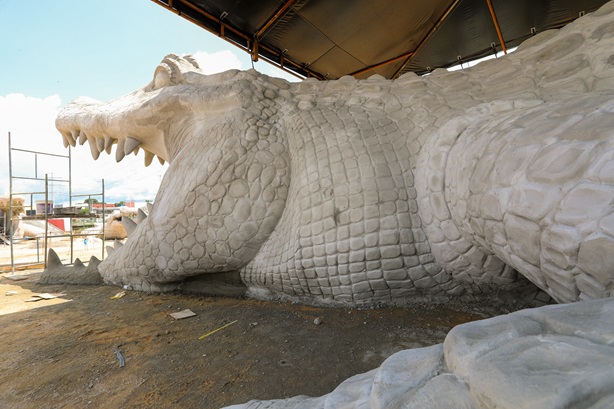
column 10, row 218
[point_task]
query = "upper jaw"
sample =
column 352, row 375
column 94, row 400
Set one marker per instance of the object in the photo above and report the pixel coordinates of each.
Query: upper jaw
column 118, row 122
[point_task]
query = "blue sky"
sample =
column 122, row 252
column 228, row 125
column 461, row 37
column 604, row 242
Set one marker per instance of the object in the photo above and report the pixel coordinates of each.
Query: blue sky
column 55, row 51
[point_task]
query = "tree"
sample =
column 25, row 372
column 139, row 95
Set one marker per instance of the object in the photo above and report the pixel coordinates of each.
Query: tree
column 119, row 204
column 91, row 200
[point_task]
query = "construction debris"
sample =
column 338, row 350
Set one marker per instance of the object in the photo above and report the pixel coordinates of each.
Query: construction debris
column 44, row 296
column 118, row 295
column 122, row 362
column 183, row 314
column 216, row 330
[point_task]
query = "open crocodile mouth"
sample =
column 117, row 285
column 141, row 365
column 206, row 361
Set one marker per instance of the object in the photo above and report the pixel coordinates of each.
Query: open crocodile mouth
column 125, row 122
column 125, row 145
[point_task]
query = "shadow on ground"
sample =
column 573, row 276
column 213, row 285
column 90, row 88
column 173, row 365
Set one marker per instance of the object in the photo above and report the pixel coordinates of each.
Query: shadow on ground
column 62, row 354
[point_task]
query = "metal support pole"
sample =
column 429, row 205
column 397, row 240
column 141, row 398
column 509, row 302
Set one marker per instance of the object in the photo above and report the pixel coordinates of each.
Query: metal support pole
column 495, row 21
column 104, row 237
column 10, row 224
column 46, row 217
column 70, row 200
column 69, row 176
column 72, row 242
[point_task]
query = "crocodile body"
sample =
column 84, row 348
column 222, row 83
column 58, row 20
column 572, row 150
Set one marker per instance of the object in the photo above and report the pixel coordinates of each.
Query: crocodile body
column 498, row 178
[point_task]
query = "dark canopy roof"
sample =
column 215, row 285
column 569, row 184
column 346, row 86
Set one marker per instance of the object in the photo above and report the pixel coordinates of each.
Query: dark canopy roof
column 332, row 38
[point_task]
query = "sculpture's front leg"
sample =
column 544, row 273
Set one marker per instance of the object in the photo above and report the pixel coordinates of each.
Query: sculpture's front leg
column 219, row 201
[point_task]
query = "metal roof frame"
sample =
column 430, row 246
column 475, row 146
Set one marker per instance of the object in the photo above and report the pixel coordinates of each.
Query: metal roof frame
column 332, row 38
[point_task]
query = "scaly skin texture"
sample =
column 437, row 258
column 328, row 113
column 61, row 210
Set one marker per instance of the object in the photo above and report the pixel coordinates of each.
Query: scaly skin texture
column 376, row 191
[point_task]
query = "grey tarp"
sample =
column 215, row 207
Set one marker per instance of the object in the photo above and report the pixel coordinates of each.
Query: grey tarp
column 332, row 38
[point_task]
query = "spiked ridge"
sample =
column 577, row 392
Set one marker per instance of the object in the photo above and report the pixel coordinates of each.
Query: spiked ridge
column 77, row 274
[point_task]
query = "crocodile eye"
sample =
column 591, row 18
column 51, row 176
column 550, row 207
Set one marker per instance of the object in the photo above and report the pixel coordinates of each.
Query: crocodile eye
column 162, row 77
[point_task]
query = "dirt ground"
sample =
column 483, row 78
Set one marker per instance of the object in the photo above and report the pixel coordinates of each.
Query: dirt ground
column 59, row 353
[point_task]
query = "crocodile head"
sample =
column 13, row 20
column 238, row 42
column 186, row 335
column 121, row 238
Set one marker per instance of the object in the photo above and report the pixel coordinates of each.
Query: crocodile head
column 228, row 174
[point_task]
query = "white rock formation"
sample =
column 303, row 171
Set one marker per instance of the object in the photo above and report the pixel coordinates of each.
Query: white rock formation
column 377, row 191
column 558, row 356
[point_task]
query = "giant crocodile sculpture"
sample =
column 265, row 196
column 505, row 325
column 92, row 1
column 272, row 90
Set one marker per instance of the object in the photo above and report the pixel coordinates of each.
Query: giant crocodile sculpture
column 375, row 191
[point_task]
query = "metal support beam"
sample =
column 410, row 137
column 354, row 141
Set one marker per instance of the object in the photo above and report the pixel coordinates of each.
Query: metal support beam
column 47, row 218
column 224, row 28
column 274, row 19
column 255, row 50
column 104, row 236
column 208, row 16
column 381, row 64
column 426, row 38
column 497, row 27
column 10, row 224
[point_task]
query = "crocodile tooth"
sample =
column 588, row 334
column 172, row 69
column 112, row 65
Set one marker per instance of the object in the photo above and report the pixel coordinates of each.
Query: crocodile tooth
column 160, row 160
column 148, row 158
column 82, row 138
column 130, row 145
column 72, row 140
column 117, row 244
column 94, row 149
column 65, row 140
column 108, row 144
column 149, row 207
column 119, row 152
column 100, row 144
column 140, row 216
column 129, row 225
column 110, row 250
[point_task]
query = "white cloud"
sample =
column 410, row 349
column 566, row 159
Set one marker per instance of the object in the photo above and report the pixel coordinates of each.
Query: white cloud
column 31, row 122
column 219, row 61
column 126, row 180
column 273, row 71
